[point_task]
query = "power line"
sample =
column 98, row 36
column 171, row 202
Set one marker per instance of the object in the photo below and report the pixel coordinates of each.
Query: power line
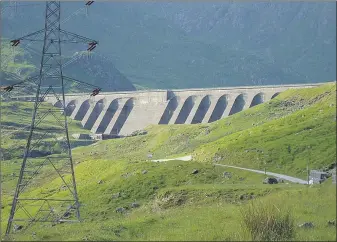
column 23, row 5
column 75, row 13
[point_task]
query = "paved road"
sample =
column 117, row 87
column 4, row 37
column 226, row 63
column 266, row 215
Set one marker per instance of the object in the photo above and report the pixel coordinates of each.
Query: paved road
column 282, row 176
column 183, row 158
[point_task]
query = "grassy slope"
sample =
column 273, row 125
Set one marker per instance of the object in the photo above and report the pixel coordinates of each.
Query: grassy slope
column 11, row 62
column 15, row 124
column 283, row 144
column 205, row 206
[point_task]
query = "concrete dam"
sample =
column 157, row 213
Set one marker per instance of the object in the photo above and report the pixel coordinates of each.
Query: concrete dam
column 121, row 113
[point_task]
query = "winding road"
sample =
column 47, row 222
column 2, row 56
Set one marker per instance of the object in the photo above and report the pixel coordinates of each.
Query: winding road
column 282, row 176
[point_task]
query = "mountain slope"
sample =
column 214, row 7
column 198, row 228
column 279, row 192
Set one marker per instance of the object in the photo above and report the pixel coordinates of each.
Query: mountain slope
column 98, row 70
column 21, row 63
column 187, row 45
column 274, row 37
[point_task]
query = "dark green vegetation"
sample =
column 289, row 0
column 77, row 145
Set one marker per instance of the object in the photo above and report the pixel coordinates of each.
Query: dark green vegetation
column 15, row 126
column 19, row 63
column 196, row 44
column 13, row 63
column 175, row 204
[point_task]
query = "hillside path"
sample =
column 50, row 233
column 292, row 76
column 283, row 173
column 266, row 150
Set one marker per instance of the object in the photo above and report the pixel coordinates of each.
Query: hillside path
column 282, row 176
column 182, row 158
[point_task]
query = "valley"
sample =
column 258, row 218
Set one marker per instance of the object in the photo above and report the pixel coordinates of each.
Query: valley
column 130, row 197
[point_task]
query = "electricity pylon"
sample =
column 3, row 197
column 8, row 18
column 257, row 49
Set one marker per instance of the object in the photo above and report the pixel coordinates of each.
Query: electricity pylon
column 47, row 160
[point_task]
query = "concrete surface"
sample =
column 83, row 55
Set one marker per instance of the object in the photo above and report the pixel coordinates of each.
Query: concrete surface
column 121, row 113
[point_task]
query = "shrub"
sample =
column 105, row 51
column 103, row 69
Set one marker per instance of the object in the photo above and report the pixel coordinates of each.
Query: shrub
column 267, row 222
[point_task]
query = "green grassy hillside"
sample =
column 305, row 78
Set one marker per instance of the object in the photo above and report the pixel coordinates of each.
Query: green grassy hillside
column 175, row 204
column 15, row 126
column 14, row 62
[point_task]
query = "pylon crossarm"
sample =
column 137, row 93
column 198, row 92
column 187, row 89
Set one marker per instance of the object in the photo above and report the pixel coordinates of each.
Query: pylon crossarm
column 70, row 37
column 20, row 87
column 83, row 85
column 65, row 37
column 31, row 80
column 73, row 82
column 70, row 79
column 36, row 36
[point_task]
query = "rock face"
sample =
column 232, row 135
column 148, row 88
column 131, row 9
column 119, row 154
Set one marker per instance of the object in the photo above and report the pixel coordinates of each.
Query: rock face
column 116, row 195
column 332, row 223
column 66, row 215
column 307, row 225
column 227, row 174
column 195, row 171
column 17, row 227
column 138, row 132
column 270, row 180
column 135, row 205
column 120, row 210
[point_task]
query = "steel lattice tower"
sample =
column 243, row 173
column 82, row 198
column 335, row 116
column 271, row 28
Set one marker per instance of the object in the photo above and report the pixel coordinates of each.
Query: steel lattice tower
column 48, row 135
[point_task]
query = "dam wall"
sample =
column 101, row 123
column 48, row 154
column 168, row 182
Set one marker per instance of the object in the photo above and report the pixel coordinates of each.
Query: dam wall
column 121, row 113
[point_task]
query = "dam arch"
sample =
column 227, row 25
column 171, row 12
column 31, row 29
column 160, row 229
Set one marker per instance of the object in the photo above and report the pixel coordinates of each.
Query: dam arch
column 58, row 104
column 219, row 108
column 95, row 112
column 70, row 107
column 275, row 95
column 108, row 115
column 258, row 99
column 238, row 104
column 84, row 107
column 124, row 114
column 202, row 110
column 185, row 110
column 169, row 110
